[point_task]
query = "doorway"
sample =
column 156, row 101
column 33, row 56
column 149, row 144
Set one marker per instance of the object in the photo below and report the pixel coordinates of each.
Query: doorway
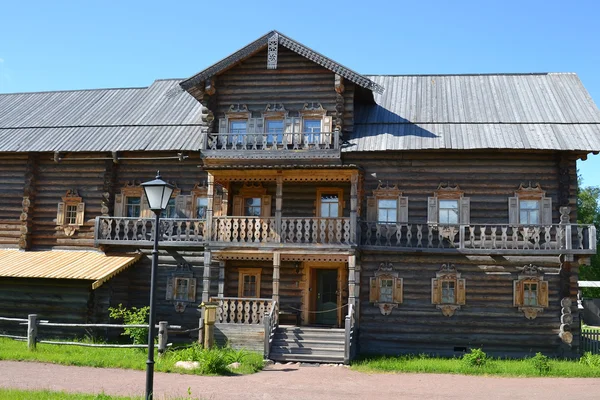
column 326, row 296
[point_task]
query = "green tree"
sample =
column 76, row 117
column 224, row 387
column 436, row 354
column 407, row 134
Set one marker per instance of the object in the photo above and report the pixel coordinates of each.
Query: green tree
column 588, row 212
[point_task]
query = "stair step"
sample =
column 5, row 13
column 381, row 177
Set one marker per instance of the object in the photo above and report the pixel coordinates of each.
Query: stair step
column 307, row 350
column 303, row 329
column 323, row 339
column 308, row 343
column 307, row 358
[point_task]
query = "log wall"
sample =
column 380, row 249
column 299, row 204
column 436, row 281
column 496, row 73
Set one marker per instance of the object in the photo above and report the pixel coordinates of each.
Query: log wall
column 12, row 183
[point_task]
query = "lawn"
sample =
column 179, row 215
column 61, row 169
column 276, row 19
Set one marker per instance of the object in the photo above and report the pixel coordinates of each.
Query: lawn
column 588, row 366
column 13, row 394
column 212, row 362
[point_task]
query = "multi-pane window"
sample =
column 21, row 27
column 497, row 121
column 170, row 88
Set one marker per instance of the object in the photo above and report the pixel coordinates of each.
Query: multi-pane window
column 252, row 207
column 71, row 214
column 170, row 211
column 386, row 290
column 181, row 287
column 313, row 129
column 330, row 203
column 274, row 130
column 133, row 206
column 201, row 207
column 238, row 127
column 249, row 286
column 530, row 294
column 249, row 282
column 448, row 212
column 448, row 296
column 387, row 210
column 529, row 212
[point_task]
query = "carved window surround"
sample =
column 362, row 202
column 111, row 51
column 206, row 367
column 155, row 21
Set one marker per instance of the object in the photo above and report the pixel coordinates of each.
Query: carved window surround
column 386, row 289
column 529, row 193
column 65, row 220
column 181, row 287
column 447, row 192
column 251, row 190
column 339, row 192
column 238, row 111
column 449, row 277
column 531, row 275
column 275, row 111
column 133, row 189
column 253, row 274
column 387, row 193
column 312, row 111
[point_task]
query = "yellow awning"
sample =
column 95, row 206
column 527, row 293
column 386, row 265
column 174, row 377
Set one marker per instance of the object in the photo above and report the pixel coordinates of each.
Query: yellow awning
column 61, row 264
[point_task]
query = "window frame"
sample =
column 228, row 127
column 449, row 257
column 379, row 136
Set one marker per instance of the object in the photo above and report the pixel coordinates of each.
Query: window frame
column 256, row 272
column 339, row 192
column 71, row 199
column 448, row 274
column 386, row 273
column 530, row 275
column 529, row 193
column 443, row 193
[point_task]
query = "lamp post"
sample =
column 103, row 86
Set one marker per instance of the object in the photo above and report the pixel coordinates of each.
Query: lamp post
column 158, row 193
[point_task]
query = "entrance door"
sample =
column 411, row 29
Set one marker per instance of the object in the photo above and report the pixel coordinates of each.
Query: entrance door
column 326, row 297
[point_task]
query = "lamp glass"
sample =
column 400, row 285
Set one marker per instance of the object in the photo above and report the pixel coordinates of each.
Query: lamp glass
column 158, row 193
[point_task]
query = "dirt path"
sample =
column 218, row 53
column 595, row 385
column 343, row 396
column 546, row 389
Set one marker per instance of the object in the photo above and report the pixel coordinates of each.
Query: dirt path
column 294, row 382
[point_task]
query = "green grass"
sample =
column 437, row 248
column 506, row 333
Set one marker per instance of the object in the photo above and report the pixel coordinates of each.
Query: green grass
column 134, row 358
column 14, row 394
column 497, row 367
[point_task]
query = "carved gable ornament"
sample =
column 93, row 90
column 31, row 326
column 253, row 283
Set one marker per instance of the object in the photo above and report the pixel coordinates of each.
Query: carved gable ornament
column 530, row 293
column 386, row 288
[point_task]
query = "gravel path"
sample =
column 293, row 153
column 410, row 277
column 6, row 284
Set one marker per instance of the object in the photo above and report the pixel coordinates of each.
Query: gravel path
column 295, row 382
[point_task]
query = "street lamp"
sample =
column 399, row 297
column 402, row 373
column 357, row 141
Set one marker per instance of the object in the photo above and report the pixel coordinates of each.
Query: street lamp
column 158, row 193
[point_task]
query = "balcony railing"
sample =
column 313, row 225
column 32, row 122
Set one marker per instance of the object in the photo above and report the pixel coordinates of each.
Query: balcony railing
column 481, row 238
column 256, row 230
column 241, row 310
column 273, row 141
column 140, row 231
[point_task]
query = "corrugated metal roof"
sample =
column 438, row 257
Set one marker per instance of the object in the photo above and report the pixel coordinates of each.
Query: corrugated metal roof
column 159, row 117
column 514, row 111
column 86, row 265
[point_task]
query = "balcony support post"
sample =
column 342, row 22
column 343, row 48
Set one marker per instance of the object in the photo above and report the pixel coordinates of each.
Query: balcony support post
column 221, row 278
column 352, row 280
column 210, row 194
column 206, row 276
column 353, row 206
column 278, row 207
column 276, row 265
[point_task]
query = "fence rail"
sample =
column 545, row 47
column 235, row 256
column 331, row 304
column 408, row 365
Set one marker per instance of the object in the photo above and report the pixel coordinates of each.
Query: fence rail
column 590, row 341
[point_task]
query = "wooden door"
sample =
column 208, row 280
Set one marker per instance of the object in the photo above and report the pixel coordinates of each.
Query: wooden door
column 326, row 297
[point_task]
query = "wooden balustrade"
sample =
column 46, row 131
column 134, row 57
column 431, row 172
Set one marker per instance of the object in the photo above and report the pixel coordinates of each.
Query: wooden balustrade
column 140, row 231
column 239, row 310
column 244, row 230
column 482, row 238
column 273, row 141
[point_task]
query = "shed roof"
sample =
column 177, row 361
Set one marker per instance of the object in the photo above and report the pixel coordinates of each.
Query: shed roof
column 58, row 264
column 544, row 111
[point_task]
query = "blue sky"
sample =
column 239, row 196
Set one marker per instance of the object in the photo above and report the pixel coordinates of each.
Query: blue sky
column 60, row 45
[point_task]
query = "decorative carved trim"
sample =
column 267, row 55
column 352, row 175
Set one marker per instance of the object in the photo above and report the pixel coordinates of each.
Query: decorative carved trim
column 200, row 190
column 383, row 192
column 312, row 110
column 448, row 309
column 529, row 271
column 448, row 192
column 565, row 215
column 275, row 110
column 529, row 192
column 385, row 268
column 531, row 312
column 71, row 197
column 447, row 271
column 386, row 271
column 238, row 111
column 28, row 202
column 272, row 50
column 339, row 84
column 252, row 189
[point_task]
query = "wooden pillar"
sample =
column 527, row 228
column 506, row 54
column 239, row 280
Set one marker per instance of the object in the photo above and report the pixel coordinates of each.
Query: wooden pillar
column 28, row 203
column 31, row 331
column 351, row 280
column 206, row 276
column 357, row 270
column 353, row 206
column 221, row 279
column 210, row 194
column 163, row 337
column 278, row 206
column 276, row 265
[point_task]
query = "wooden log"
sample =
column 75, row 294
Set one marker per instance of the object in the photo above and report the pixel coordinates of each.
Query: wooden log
column 31, row 331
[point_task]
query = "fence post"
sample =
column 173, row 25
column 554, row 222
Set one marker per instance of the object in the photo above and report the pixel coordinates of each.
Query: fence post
column 31, row 331
column 163, row 336
column 210, row 313
column 201, row 330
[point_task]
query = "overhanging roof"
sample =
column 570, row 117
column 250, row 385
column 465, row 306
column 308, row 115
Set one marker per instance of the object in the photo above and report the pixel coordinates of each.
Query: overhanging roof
column 84, row 265
column 285, row 41
column 589, row 284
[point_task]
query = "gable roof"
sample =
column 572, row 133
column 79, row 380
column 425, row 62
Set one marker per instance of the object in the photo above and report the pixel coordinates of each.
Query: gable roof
column 291, row 44
column 543, row 111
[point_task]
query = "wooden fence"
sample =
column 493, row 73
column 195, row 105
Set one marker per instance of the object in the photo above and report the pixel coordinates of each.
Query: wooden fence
column 33, row 325
column 590, row 341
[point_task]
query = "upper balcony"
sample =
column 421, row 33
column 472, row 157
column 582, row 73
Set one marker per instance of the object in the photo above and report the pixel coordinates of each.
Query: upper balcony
column 242, row 147
column 488, row 239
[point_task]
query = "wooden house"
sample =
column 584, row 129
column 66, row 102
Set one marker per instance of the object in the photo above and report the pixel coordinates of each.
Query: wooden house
column 379, row 214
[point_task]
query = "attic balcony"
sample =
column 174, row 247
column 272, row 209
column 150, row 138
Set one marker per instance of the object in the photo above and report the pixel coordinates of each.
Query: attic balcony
column 488, row 239
column 241, row 147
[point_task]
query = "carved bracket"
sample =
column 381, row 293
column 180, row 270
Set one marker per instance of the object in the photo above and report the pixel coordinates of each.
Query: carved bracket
column 531, row 312
column 448, row 309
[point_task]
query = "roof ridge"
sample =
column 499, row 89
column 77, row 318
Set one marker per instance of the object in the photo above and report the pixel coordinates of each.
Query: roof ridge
column 481, row 74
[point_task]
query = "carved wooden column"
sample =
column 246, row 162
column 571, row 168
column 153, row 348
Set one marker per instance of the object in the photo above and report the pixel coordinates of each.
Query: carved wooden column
column 210, row 194
column 357, row 270
column 221, row 279
column 352, row 280
column 28, row 202
column 353, row 206
column 276, row 265
column 206, row 276
column 278, row 206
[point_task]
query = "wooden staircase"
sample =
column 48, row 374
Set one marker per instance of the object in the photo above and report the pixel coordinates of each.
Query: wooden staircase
column 307, row 344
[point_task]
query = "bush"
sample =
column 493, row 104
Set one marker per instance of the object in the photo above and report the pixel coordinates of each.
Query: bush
column 475, row 358
column 540, row 363
column 133, row 316
column 590, row 360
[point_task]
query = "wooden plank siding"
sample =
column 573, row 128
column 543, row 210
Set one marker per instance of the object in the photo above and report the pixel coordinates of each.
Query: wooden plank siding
column 12, row 182
column 488, row 319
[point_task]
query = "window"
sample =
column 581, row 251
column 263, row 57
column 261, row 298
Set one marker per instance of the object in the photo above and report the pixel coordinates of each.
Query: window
column 252, row 207
column 448, row 206
column 312, row 127
column 249, row 282
column 71, row 214
column 387, row 206
column 133, row 206
column 238, row 127
column 448, row 210
column 330, row 203
column 448, row 290
column 387, row 210
column 181, row 287
column 275, row 131
column 530, row 291
column 386, row 288
column 170, row 211
column 530, row 206
column 201, row 207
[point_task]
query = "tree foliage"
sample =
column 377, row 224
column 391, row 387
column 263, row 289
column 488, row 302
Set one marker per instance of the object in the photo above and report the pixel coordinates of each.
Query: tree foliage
column 588, row 212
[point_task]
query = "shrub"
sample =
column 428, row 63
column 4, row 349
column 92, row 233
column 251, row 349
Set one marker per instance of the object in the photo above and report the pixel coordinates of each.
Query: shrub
column 540, row 363
column 475, row 358
column 590, row 360
column 132, row 316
